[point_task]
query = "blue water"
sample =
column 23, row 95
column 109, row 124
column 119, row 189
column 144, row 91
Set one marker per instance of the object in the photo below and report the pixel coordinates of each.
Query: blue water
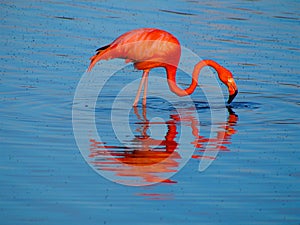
column 45, row 50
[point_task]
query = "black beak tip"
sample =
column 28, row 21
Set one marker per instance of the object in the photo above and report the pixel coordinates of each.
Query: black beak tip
column 231, row 97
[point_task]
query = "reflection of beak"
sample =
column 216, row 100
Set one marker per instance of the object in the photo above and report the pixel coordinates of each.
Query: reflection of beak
column 233, row 91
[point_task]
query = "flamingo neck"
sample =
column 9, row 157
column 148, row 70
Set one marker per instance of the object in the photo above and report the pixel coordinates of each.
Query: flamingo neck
column 171, row 76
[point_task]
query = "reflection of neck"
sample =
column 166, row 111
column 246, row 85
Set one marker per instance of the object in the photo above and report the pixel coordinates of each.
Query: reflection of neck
column 170, row 144
column 171, row 75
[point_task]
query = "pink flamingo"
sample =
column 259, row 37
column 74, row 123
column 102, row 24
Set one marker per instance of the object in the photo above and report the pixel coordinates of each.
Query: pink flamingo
column 149, row 48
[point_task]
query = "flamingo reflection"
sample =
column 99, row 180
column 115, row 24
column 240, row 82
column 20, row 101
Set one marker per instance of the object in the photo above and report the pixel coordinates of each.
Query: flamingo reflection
column 149, row 159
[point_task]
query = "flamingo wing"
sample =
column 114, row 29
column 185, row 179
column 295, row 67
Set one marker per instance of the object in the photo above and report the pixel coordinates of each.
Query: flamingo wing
column 146, row 47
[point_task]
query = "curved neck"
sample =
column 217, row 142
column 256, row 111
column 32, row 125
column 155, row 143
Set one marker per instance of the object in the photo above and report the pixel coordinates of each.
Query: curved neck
column 171, row 75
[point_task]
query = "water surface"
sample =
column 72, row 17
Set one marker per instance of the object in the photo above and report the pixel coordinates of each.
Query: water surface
column 254, row 179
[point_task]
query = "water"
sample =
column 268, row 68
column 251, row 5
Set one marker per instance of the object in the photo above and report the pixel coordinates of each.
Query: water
column 254, row 178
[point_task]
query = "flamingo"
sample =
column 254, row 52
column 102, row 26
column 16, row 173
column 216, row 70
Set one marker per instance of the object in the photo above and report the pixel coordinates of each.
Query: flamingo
column 149, row 48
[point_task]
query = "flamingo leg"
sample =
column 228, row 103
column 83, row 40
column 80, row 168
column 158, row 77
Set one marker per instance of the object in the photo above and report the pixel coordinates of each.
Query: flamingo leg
column 139, row 89
column 145, row 89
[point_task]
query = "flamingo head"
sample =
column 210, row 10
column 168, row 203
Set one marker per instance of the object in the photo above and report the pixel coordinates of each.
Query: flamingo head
column 227, row 78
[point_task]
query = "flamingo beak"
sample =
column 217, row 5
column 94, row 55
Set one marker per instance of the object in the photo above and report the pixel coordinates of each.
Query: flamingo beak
column 233, row 91
column 231, row 97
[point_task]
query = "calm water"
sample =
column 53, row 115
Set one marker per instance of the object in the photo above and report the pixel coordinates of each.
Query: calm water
column 254, row 178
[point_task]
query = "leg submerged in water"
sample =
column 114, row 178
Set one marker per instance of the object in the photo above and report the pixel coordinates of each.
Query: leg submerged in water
column 144, row 82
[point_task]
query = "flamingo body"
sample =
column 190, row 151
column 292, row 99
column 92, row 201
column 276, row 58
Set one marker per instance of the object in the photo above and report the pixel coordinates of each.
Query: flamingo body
column 147, row 48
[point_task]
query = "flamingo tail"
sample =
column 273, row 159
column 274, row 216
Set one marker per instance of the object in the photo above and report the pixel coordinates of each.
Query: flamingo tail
column 98, row 56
